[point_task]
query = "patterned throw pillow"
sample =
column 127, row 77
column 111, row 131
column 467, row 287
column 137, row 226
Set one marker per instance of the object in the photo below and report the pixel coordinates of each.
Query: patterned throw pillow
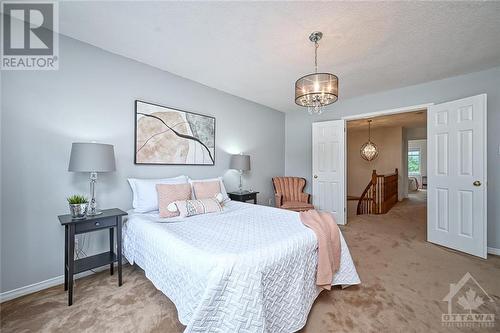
column 187, row 208
column 168, row 193
column 205, row 190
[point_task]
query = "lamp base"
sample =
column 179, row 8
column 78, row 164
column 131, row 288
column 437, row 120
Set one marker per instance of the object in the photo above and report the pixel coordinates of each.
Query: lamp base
column 97, row 212
column 92, row 210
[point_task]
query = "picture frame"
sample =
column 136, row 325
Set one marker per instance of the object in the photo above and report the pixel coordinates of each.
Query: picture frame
column 168, row 136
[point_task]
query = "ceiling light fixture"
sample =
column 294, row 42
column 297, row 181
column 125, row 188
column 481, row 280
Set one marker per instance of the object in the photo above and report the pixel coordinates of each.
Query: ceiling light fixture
column 316, row 90
column 369, row 150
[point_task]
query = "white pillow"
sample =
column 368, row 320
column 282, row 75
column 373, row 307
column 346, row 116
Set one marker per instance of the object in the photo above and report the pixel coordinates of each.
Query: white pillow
column 222, row 187
column 145, row 194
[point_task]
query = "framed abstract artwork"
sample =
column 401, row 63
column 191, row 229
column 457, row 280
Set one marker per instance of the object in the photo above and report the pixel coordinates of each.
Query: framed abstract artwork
column 165, row 135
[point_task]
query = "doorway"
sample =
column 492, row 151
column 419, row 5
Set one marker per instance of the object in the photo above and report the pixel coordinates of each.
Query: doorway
column 395, row 171
column 456, row 180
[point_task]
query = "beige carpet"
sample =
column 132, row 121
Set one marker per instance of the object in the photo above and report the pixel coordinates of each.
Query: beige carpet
column 404, row 281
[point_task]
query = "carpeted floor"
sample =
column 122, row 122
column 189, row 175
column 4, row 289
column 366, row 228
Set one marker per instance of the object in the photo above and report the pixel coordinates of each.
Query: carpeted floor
column 404, row 281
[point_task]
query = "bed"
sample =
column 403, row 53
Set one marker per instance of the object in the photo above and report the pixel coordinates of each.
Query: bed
column 248, row 269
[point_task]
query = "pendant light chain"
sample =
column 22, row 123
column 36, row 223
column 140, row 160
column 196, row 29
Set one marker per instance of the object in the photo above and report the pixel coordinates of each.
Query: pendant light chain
column 316, row 45
column 369, row 131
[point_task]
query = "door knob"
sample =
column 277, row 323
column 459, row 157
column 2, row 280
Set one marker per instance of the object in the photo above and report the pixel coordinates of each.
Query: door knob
column 315, row 176
column 477, row 183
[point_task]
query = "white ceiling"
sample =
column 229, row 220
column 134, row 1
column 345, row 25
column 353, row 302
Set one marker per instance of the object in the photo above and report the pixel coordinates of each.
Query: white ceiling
column 256, row 50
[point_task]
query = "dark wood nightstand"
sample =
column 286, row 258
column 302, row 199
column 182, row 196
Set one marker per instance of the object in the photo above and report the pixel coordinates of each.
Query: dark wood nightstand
column 243, row 196
column 109, row 219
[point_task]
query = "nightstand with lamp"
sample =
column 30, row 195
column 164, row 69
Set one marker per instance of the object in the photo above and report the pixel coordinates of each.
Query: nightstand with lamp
column 92, row 158
column 241, row 163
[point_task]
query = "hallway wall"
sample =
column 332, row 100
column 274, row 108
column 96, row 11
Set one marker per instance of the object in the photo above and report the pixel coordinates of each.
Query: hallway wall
column 389, row 141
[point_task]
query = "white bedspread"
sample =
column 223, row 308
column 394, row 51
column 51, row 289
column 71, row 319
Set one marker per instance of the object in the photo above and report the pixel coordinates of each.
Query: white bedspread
column 248, row 269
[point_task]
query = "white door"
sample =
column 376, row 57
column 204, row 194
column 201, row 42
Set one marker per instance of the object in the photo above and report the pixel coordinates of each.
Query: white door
column 456, row 169
column 328, row 167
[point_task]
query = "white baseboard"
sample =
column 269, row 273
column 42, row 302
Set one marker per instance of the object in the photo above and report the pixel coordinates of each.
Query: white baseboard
column 58, row 280
column 495, row 251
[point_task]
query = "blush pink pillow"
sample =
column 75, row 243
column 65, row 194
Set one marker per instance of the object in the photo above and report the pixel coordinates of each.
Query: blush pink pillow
column 168, row 193
column 206, row 190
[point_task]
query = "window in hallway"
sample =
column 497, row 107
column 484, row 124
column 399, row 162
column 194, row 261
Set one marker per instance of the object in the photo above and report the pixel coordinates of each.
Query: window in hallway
column 414, row 162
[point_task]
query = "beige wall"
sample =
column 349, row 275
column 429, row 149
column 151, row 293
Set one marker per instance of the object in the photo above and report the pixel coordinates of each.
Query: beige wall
column 417, row 133
column 389, row 140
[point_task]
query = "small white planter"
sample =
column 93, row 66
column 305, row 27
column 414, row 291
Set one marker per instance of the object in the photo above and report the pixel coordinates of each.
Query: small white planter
column 78, row 211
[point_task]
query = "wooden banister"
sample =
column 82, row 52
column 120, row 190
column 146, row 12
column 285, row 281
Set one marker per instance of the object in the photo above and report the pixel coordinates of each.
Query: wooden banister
column 380, row 195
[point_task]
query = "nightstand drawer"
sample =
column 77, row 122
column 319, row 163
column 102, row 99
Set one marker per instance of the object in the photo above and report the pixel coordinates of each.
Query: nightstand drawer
column 246, row 197
column 86, row 226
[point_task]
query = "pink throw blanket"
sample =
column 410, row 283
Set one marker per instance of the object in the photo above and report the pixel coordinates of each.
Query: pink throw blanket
column 328, row 235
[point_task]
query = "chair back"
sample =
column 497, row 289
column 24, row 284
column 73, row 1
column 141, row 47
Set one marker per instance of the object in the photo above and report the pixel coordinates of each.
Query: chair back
column 289, row 187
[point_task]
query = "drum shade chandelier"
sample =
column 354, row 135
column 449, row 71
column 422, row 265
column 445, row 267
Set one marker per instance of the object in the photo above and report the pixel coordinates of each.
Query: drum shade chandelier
column 316, row 90
column 369, row 150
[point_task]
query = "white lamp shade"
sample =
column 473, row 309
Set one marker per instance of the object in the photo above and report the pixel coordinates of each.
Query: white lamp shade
column 92, row 157
column 240, row 162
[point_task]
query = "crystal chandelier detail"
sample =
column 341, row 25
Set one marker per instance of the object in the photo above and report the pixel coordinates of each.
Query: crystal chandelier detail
column 369, row 150
column 316, row 90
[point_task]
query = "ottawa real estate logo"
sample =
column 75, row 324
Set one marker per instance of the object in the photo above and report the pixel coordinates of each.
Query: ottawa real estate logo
column 469, row 305
column 29, row 35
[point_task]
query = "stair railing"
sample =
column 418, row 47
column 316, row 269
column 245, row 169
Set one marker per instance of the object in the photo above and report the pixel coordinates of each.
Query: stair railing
column 380, row 195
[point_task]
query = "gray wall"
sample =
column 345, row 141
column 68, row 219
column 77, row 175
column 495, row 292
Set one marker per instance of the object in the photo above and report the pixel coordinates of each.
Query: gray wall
column 298, row 126
column 91, row 97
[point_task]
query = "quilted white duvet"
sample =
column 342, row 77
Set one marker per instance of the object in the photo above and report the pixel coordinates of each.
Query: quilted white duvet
column 248, row 269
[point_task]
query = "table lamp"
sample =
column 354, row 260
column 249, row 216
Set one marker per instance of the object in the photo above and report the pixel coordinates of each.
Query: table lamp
column 241, row 163
column 93, row 158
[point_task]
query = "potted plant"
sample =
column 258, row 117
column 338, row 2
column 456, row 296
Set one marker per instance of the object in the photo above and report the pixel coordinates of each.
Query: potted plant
column 78, row 205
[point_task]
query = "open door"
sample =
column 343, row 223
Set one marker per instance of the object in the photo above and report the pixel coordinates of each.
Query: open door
column 328, row 167
column 456, row 143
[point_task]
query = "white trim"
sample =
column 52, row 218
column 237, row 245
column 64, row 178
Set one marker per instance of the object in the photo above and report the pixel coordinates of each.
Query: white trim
column 485, row 166
column 388, row 112
column 55, row 281
column 493, row 250
column 345, row 173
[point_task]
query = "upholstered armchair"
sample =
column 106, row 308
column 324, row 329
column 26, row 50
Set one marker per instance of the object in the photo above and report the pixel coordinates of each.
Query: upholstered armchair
column 289, row 194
